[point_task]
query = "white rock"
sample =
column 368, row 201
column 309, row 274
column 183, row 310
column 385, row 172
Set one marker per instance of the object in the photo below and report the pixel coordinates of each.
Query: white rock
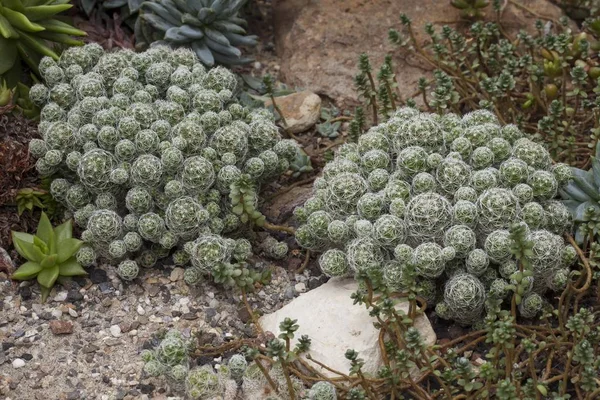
column 300, row 287
column 301, row 110
column 18, row 363
column 140, row 310
column 326, row 314
column 73, row 313
column 56, row 313
column 61, row 296
column 115, row 330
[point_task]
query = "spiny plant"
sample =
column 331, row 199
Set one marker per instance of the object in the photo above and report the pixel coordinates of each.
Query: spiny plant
column 30, row 30
column 546, row 83
column 211, row 28
column 152, row 155
column 50, row 254
column 437, row 196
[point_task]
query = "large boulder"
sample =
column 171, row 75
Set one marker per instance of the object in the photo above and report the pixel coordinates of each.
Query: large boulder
column 334, row 324
column 318, row 42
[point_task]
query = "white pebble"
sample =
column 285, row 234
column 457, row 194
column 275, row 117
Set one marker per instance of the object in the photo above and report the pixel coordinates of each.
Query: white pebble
column 115, row 330
column 140, row 310
column 61, row 296
column 73, row 313
column 18, row 363
column 300, row 287
column 56, row 313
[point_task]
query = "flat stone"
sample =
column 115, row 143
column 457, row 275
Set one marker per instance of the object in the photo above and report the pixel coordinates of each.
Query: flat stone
column 301, row 110
column 334, row 324
column 176, row 274
column 115, row 330
column 6, row 263
column 18, row 363
column 61, row 327
column 300, row 287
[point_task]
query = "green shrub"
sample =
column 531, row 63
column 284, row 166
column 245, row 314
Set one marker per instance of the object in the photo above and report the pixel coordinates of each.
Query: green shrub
column 145, row 151
column 437, row 196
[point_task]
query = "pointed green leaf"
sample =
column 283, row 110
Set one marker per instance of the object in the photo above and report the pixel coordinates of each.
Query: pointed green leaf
column 9, row 54
column 28, row 250
column 64, row 231
column 71, row 268
column 44, row 229
column 48, row 276
column 45, row 293
column 40, row 244
column 67, row 249
column 26, row 271
column 49, row 261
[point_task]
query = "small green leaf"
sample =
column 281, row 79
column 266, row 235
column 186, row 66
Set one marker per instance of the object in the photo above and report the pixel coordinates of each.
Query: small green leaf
column 71, row 268
column 49, row 261
column 67, row 249
column 542, row 389
column 48, row 276
column 26, row 237
column 64, row 231
column 26, row 271
column 44, row 229
column 45, row 293
column 28, row 250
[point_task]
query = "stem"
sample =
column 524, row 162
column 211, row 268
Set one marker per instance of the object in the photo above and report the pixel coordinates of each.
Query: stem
column 304, row 264
column 276, row 107
column 280, row 228
column 286, row 374
column 252, row 315
column 267, row 376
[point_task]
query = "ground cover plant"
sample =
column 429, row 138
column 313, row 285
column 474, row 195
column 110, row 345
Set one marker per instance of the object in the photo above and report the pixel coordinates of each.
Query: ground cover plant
column 152, row 155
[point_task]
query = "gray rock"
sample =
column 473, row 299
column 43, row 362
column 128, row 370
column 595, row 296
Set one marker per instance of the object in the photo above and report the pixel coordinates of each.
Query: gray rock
column 301, row 110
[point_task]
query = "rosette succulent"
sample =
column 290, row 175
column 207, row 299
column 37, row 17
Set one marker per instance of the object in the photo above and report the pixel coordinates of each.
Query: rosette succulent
column 436, row 196
column 147, row 152
column 211, row 28
column 30, row 30
column 50, row 254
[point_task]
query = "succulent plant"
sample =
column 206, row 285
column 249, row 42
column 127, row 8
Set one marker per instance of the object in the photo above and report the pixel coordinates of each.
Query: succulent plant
column 50, row 254
column 403, row 200
column 29, row 30
column 582, row 197
column 153, row 155
column 211, row 28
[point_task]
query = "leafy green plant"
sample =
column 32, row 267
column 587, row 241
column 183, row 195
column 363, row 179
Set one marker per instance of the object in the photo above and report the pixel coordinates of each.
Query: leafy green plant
column 331, row 124
column 470, row 8
column 50, row 254
column 30, row 30
column 211, row 28
column 27, row 198
column 546, row 83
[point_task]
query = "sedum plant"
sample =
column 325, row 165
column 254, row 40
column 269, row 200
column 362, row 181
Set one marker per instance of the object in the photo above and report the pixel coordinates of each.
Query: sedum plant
column 50, row 254
column 30, row 30
column 147, row 152
column 435, row 197
column 211, row 28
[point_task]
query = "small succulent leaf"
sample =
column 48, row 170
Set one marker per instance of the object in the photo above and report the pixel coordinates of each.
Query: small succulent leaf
column 6, row 29
column 239, row 40
column 28, row 250
column 218, row 6
column 49, row 261
column 64, row 231
column 586, row 186
column 175, row 35
column 580, row 211
column 205, row 15
column 68, row 248
column 191, row 32
column 20, row 21
column 37, row 13
column 157, row 22
column 195, row 5
column 14, row 4
column 71, row 268
column 229, row 51
column 134, row 5
column 40, row 244
column 45, row 293
column 48, row 276
column 225, row 60
column 572, row 191
column 20, row 208
column 216, row 36
column 227, row 26
column 203, row 53
column 9, row 54
column 161, row 11
column 44, row 229
column 38, row 45
column 596, row 170
column 54, row 25
column 114, row 3
column 26, row 271
column 184, row 6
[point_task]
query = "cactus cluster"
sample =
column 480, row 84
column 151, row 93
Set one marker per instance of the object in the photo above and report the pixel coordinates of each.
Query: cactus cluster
column 437, row 195
column 152, row 155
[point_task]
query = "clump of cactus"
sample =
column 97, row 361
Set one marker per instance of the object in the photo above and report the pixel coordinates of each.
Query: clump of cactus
column 153, row 156
column 436, row 197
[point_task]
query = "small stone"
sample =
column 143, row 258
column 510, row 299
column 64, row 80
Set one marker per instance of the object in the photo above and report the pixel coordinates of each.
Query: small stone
column 98, row 276
column 57, row 313
column 90, row 348
column 190, row 316
column 27, row 356
column 244, row 315
column 140, row 310
column 300, row 287
column 61, row 296
column 18, row 363
column 74, row 295
column 301, row 110
column 73, row 395
column 176, row 274
column 61, row 327
column 115, row 330
column 210, row 312
column 290, row 293
column 73, row 313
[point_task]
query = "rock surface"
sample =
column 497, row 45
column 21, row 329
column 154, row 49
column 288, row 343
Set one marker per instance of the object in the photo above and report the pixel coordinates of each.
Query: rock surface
column 327, row 315
column 301, row 110
column 319, row 42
